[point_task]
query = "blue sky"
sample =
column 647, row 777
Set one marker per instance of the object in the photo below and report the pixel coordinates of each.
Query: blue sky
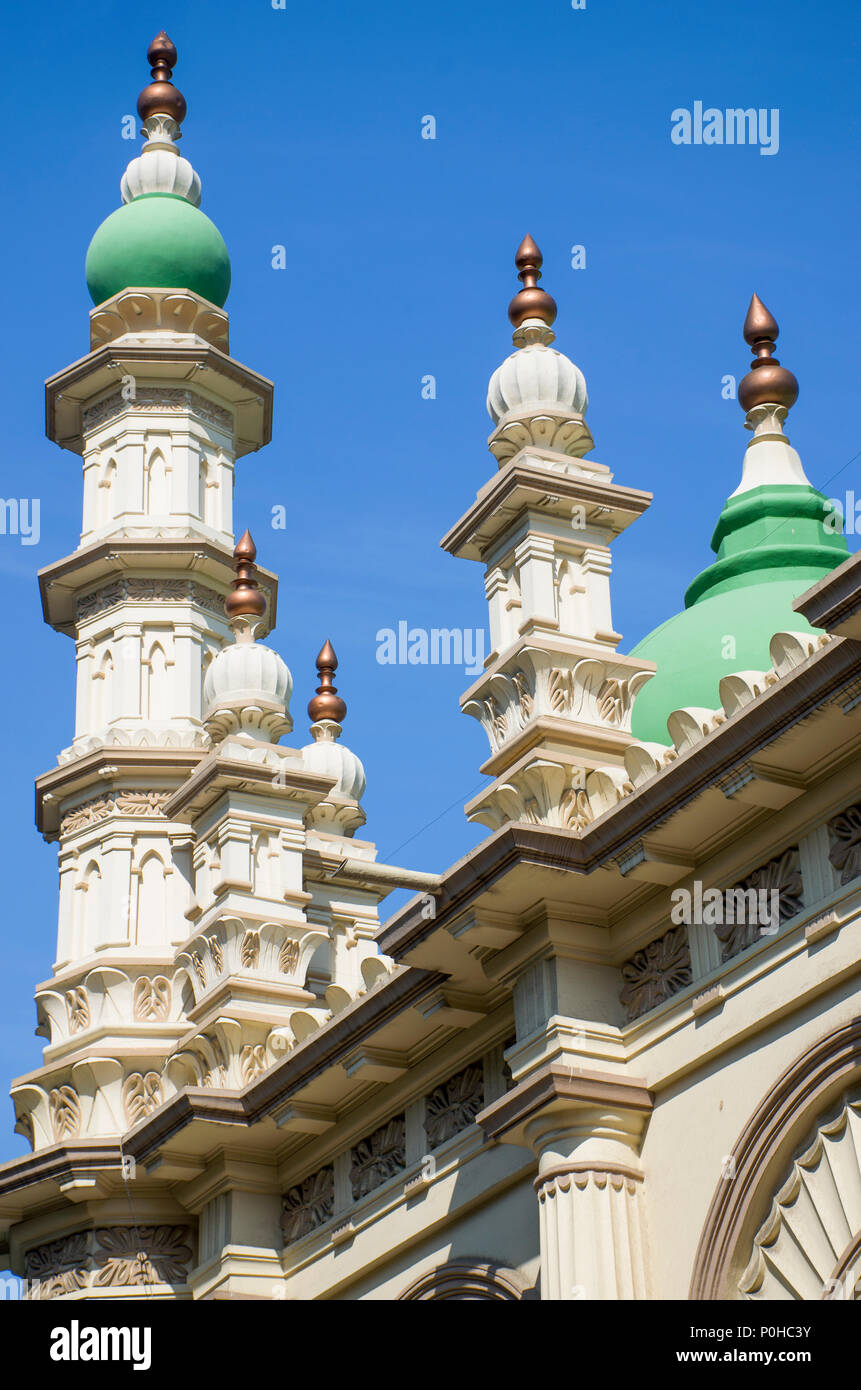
column 305, row 127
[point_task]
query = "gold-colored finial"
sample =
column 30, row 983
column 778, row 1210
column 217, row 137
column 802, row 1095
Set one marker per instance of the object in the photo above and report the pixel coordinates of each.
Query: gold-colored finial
column 245, row 597
column 530, row 302
column 327, row 703
column 767, row 383
column 160, row 97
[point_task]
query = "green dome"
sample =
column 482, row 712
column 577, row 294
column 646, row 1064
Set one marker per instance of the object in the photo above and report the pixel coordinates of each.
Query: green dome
column 771, row 545
column 158, row 241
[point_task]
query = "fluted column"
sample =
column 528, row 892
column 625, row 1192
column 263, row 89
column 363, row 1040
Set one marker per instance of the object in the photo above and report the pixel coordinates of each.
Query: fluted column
column 590, row 1204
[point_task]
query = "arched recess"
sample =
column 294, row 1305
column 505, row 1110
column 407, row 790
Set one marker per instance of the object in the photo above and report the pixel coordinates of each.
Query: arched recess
column 87, row 909
column 101, row 693
column 156, row 498
column 155, row 694
column 781, row 1135
column 472, row 1280
column 152, row 903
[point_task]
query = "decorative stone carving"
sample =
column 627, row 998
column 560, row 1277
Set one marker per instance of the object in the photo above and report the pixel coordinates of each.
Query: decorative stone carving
column 454, row 1105
column 249, row 950
column 157, row 398
column 78, row 1009
column 216, row 953
column 535, row 682
column 58, row 1268
column 308, row 1205
column 199, row 968
column 134, row 590
column 144, row 311
column 288, row 956
column 65, row 1111
column 120, row 803
column 252, row 1061
column 141, row 1095
column 660, row 970
column 544, row 793
column 813, row 1219
column 131, row 1255
column 844, row 832
column 378, row 1157
column 151, row 997
column 781, row 874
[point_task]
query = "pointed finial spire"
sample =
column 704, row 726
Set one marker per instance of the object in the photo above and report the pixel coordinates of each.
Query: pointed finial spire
column 161, row 97
column 327, row 703
column 245, row 597
column 767, row 383
column 530, row 302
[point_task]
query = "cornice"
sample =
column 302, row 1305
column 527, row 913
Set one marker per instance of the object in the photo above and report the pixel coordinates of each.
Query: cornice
column 620, row 829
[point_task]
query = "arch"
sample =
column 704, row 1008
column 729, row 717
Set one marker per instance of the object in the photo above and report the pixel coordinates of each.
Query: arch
column 570, row 598
column 482, row 1280
column 101, row 693
column 778, row 1131
column 152, row 903
column 155, row 693
column 156, row 498
column 86, row 906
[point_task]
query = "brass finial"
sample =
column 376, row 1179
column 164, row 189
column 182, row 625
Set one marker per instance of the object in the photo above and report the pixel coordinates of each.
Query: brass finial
column 327, row 703
column 161, row 97
column 245, row 597
column 767, row 383
column 530, row 302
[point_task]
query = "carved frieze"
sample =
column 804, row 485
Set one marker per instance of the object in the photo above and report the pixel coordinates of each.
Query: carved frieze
column 454, row 1105
column 120, row 803
column 57, row 1268
column 161, row 590
column 844, row 833
column 308, row 1205
column 378, row 1157
column 656, row 972
column 130, row 1255
column 778, row 881
column 555, row 684
column 174, row 400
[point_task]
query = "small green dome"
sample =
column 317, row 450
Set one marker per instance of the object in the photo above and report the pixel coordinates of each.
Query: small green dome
column 771, row 545
column 158, row 241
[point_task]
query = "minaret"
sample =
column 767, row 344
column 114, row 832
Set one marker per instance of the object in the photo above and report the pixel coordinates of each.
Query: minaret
column 776, row 535
column 159, row 412
column 555, row 698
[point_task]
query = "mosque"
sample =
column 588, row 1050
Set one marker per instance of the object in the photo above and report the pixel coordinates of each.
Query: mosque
column 534, row 1080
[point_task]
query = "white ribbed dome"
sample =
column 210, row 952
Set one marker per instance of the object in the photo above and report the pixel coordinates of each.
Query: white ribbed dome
column 245, row 672
column 332, row 759
column 160, row 171
column 536, row 376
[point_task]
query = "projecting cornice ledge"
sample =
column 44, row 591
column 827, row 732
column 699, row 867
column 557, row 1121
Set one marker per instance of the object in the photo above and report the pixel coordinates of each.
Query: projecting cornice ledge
column 617, row 835
column 835, row 602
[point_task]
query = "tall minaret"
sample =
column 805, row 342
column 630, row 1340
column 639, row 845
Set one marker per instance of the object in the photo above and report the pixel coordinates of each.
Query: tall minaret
column 159, row 413
column 555, row 697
